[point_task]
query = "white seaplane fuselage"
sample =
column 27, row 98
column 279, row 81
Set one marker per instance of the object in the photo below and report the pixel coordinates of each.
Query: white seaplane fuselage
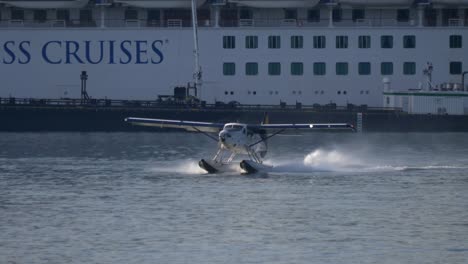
column 237, row 138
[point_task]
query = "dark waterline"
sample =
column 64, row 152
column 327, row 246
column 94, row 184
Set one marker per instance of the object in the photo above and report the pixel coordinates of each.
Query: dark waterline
column 140, row 198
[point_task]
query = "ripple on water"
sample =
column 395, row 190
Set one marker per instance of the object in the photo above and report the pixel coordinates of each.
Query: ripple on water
column 141, row 198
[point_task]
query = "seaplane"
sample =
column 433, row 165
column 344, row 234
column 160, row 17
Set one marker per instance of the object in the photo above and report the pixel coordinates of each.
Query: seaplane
column 236, row 139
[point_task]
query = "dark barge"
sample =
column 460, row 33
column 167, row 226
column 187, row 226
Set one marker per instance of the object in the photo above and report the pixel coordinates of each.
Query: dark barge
column 92, row 115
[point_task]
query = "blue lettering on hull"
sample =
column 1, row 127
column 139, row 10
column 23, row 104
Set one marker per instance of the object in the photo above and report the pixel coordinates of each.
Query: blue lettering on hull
column 84, row 52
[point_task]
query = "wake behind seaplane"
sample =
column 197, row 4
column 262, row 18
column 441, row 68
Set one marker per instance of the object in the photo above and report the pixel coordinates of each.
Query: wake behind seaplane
column 235, row 139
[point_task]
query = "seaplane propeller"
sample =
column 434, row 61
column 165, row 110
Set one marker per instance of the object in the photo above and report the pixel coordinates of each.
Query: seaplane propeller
column 236, row 139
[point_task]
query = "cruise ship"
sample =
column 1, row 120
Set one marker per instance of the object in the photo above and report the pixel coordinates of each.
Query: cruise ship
column 258, row 52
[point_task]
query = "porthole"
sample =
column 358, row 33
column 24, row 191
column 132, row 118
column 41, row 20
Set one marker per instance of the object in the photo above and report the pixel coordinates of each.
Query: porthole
column 344, row 92
column 254, row 92
column 232, row 92
column 225, row 92
column 339, row 92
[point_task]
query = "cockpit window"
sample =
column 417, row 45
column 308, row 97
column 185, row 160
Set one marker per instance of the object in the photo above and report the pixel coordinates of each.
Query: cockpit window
column 233, row 127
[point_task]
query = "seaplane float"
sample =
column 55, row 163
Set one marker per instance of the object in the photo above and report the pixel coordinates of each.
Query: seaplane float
column 248, row 140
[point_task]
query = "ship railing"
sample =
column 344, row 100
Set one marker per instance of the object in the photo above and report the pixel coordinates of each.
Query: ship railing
column 132, row 23
column 246, row 22
column 158, row 104
column 174, row 23
column 289, row 22
column 455, row 22
column 15, row 23
column 58, row 23
column 170, row 23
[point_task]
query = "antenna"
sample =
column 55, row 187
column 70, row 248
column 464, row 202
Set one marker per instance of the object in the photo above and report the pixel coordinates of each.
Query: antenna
column 197, row 74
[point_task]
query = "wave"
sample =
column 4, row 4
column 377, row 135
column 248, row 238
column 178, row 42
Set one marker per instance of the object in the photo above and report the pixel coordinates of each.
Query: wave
column 345, row 161
column 319, row 160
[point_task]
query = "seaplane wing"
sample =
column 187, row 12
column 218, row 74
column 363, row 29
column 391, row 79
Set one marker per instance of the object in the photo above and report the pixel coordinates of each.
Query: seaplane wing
column 167, row 123
column 305, row 127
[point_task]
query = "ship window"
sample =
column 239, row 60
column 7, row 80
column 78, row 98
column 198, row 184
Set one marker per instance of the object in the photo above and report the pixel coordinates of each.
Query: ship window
column 245, row 14
column 430, row 16
column 341, row 42
column 409, row 42
column 455, row 41
column 229, row 68
column 466, row 16
column 386, row 42
column 403, row 15
column 40, row 15
column 409, row 68
column 274, row 42
column 297, row 68
column 358, row 14
column 297, row 42
column 63, row 14
column 319, row 42
column 364, row 42
column 290, row 13
column 131, row 14
column 154, row 17
column 319, row 68
column 229, row 42
column 336, row 15
column 341, row 68
column 449, row 14
column 313, row 15
column 17, row 14
column 251, row 68
column 386, row 68
column 274, row 68
column 86, row 17
column 364, row 68
column 455, row 67
column 251, row 42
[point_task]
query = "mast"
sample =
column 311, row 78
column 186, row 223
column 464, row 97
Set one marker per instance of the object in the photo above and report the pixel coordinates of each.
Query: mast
column 197, row 74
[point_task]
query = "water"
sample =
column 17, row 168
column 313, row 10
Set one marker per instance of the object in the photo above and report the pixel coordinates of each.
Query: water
column 140, row 198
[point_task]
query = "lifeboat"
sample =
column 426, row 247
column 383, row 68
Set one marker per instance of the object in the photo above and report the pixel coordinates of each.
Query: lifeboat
column 160, row 3
column 276, row 3
column 46, row 4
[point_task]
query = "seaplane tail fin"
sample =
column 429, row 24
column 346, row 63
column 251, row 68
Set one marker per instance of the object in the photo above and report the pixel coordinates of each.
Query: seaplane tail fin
column 178, row 124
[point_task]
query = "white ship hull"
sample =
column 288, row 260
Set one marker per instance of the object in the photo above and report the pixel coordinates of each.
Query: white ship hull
column 137, row 53
column 42, row 63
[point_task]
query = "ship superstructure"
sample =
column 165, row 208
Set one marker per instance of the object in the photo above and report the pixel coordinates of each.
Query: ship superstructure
column 252, row 51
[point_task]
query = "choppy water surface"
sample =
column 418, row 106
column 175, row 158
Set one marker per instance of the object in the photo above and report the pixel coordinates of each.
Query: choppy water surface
column 140, row 198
